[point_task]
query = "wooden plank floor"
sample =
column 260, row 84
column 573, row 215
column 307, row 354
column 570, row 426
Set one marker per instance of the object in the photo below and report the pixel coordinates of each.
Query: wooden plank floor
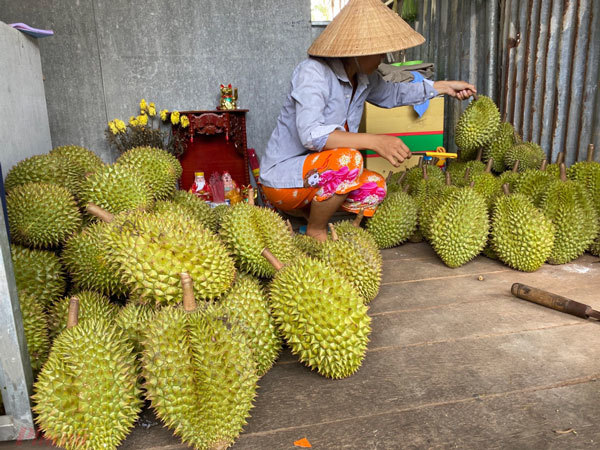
column 453, row 362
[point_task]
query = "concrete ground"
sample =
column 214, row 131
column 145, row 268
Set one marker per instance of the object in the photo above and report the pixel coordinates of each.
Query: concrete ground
column 453, row 362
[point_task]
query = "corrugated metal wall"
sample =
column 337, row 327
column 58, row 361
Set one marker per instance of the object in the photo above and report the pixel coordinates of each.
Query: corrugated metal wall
column 539, row 59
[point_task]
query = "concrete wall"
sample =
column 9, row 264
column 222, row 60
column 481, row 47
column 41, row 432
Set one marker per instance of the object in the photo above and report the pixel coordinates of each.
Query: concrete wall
column 24, row 129
column 108, row 54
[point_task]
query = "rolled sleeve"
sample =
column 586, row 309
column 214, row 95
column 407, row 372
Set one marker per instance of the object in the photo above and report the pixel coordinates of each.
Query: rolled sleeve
column 310, row 89
column 389, row 95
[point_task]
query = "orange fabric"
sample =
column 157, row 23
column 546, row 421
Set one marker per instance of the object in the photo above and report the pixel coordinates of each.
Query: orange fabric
column 337, row 171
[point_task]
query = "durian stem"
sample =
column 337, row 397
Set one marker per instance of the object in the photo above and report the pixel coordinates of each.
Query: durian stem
column 334, row 236
column 251, row 196
column 448, row 179
column 289, row 224
column 560, row 158
column 420, row 161
column 401, row 177
column 389, row 176
column 506, row 188
column 515, row 168
column 476, row 97
column 563, row 172
column 100, row 213
column 488, row 168
column 187, row 285
column 590, row 153
column 406, row 187
column 272, row 259
column 479, row 154
column 425, row 176
column 467, row 173
column 73, row 317
column 544, row 165
column 359, row 217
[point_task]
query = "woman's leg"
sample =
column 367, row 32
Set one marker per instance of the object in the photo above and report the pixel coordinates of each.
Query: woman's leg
column 320, row 214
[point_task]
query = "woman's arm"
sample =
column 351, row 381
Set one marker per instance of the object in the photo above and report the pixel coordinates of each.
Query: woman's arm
column 389, row 147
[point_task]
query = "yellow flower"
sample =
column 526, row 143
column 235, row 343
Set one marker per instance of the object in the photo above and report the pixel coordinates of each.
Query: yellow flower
column 143, row 105
column 151, row 110
column 184, row 121
column 133, row 121
column 175, row 117
column 120, row 125
column 142, row 120
column 113, row 127
column 163, row 114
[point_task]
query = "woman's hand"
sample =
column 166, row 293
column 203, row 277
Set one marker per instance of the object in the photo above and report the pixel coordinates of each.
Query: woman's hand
column 459, row 89
column 390, row 148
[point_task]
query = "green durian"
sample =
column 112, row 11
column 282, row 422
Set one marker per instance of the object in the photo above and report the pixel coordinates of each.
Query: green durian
column 351, row 230
column 197, row 207
column 429, row 206
column 306, row 244
column 529, row 155
column 462, row 173
column 414, row 176
column 134, row 320
column 321, row 316
column 521, row 236
column 42, row 215
column 40, row 273
column 87, row 159
column 116, row 188
column 459, row 228
column 394, row 220
column 487, row 185
column 504, row 139
column 35, row 325
column 87, row 260
column 86, row 395
column 91, row 306
column 533, row 183
column 159, row 169
column 394, row 181
column 248, row 229
column 34, row 169
column 247, row 307
column 200, row 375
column 476, row 127
column 510, row 177
column 219, row 212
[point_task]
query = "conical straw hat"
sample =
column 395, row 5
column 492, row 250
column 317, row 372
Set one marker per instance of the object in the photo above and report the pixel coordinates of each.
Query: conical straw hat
column 365, row 27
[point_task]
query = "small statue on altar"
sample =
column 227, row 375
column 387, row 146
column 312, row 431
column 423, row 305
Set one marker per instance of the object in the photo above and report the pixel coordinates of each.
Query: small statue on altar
column 229, row 97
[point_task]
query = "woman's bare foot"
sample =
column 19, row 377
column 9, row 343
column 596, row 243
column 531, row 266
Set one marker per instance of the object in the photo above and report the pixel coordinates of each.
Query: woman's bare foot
column 318, row 234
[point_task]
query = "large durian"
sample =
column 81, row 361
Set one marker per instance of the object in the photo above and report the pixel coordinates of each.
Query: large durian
column 487, row 184
column 533, row 183
column 504, row 139
column 459, row 228
column 184, row 203
column 521, row 236
column 35, row 325
column 42, row 215
column 529, row 155
column 134, row 320
column 476, row 127
column 87, row 159
column 306, row 244
column 247, row 308
column 351, row 230
column 320, row 315
column 86, row 395
column 394, row 220
column 511, row 177
column 40, row 273
column 415, row 176
column 200, row 373
column 159, row 169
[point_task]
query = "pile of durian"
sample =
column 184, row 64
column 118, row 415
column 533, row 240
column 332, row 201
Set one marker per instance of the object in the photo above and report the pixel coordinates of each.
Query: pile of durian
column 179, row 305
column 501, row 199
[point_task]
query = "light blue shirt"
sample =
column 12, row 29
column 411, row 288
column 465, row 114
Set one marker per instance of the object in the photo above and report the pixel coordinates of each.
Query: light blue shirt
column 319, row 103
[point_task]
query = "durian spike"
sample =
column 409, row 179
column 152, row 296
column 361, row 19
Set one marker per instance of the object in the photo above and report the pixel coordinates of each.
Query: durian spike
column 467, row 173
column 401, row 177
column 189, row 302
column 73, row 317
column 560, row 158
column 289, row 224
column 334, row 236
column 515, row 168
column 425, row 176
column 448, row 179
column 272, row 259
column 359, row 217
column 479, row 154
column 506, row 188
column 488, row 168
column 544, row 165
column 100, row 213
column 590, row 153
column 563, row 172
column 251, row 196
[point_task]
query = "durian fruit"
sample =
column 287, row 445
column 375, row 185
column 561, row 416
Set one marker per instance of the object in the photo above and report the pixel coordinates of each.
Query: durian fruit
column 149, row 250
column 116, row 188
column 42, row 215
column 40, row 273
column 459, row 228
column 511, row 176
column 504, row 139
column 87, row 260
column 30, row 170
column 594, row 248
column 567, row 204
column 91, row 306
column 306, row 244
column 476, row 127
column 321, row 316
column 533, row 183
column 554, row 169
column 35, row 325
column 350, row 260
column 521, row 236
column 87, row 159
column 487, row 184
column 462, row 172
column 351, row 230
column 529, row 155
column 247, row 307
column 200, row 373
column 159, row 169
column 429, row 205
column 134, row 320
column 414, row 176
column 394, row 220
column 219, row 212
column 86, row 395
column 394, row 181
column 197, row 207
column 248, row 229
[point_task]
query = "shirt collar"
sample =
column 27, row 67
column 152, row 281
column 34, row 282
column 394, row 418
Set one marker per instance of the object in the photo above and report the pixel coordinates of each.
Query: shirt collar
column 338, row 68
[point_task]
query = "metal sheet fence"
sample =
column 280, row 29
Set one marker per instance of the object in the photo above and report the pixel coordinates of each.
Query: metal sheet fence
column 539, row 59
